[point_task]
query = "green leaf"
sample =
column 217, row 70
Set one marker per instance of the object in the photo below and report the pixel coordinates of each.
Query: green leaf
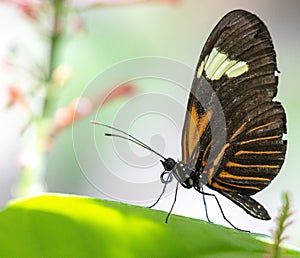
column 71, row 226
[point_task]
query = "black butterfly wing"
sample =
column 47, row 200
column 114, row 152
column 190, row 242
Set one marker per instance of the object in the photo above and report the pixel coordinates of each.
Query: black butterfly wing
column 237, row 68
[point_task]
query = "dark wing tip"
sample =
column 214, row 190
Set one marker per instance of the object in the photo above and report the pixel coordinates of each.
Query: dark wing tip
column 249, row 205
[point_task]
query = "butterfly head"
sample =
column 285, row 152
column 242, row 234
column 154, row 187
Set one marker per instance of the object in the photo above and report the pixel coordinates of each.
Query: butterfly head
column 168, row 164
column 181, row 171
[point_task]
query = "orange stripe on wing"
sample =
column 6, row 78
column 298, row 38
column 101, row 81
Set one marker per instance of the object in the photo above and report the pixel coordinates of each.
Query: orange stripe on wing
column 238, row 131
column 262, row 139
column 217, row 186
column 233, row 164
column 205, row 153
column 197, row 126
column 257, row 152
column 220, row 155
column 240, row 186
column 216, row 161
column 261, row 126
column 225, row 174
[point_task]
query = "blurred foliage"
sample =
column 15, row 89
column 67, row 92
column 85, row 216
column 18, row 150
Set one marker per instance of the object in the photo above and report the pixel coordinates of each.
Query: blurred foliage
column 69, row 226
column 283, row 221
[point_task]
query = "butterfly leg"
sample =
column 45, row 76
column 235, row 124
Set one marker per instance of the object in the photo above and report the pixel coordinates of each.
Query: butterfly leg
column 176, row 190
column 205, row 207
column 220, row 207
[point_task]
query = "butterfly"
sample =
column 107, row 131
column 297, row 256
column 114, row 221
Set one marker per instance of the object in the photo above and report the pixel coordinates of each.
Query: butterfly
column 232, row 139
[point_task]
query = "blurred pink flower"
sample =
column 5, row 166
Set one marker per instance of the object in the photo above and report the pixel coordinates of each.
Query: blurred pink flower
column 124, row 90
column 63, row 117
column 30, row 8
column 15, row 96
column 81, row 107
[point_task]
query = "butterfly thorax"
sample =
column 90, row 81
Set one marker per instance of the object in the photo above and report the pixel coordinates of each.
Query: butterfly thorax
column 188, row 177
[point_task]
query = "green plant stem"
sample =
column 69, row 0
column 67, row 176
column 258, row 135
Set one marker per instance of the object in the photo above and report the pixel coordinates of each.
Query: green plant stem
column 56, row 32
column 282, row 224
column 33, row 170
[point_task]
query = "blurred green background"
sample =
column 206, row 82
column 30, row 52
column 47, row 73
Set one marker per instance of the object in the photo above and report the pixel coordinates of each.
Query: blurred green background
column 111, row 35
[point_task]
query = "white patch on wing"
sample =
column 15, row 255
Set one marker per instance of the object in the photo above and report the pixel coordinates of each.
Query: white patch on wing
column 201, row 67
column 216, row 64
column 238, row 69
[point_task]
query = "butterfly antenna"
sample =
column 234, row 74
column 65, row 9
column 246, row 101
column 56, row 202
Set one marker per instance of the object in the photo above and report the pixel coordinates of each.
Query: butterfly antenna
column 129, row 138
